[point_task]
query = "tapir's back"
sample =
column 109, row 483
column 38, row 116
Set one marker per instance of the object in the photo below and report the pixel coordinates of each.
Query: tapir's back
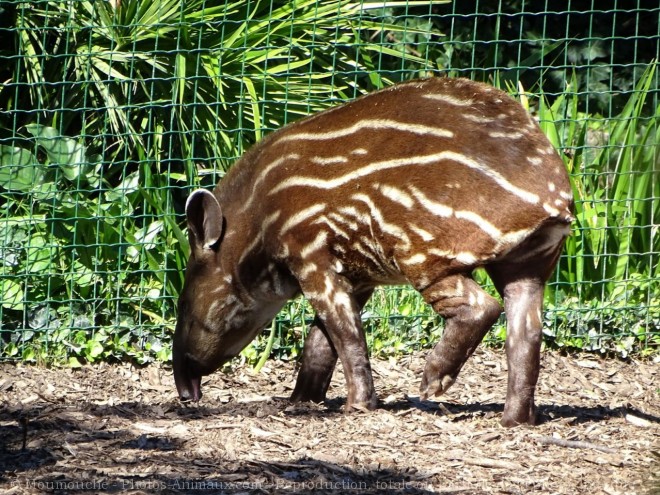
column 441, row 168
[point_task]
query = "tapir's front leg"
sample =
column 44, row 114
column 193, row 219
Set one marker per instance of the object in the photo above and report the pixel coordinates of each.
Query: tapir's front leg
column 319, row 359
column 338, row 312
column 318, row 363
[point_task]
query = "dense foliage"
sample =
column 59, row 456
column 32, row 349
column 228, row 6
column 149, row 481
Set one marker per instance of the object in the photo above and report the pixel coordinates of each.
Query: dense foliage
column 606, row 49
column 112, row 114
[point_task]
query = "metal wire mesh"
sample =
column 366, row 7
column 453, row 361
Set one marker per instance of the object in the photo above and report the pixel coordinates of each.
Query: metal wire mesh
column 112, row 111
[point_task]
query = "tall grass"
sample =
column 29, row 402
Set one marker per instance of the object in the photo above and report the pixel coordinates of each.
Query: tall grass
column 606, row 290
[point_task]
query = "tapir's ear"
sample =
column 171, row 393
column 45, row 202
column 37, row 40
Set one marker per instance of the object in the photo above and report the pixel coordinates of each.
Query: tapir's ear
column 204, row 221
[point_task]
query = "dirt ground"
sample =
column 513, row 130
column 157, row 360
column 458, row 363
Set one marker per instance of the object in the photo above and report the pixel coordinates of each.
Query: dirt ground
column 117, row 428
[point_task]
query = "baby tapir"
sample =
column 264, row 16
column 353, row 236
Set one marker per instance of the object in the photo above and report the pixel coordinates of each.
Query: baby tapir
column 419, row 183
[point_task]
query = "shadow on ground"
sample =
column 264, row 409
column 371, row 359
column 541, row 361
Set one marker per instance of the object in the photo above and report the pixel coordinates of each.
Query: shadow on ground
column 37, row 443
column 37, row 437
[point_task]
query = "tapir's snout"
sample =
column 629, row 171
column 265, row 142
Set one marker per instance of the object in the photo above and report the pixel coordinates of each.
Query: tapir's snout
column 190, row 390
column 187, row 378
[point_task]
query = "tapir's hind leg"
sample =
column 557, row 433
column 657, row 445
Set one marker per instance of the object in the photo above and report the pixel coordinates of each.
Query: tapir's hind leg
column 318, row 360
column 469, row 313
column 520, row 279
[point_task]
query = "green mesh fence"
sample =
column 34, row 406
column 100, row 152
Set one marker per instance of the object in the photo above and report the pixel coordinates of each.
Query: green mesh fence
column 112, row 111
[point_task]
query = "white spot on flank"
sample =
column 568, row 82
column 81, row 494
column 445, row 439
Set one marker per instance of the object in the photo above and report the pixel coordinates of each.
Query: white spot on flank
column 424, row 234
column 463, row 257
column 479, row 119
column 307, row 270
column 362, row 248
column 551, row 186
column 328, row 160
column 566, row 195
column 535, row 160
column 339, row 248
column 548, row 150
column 351, row 224
column 480, row 222
column 376, row 124
column 386, row 227
column 434, row 207
column 301, row 216
column 396, row 195
column 451, row 100
column 359, row 151
column 506, row 135
column 352, row 211
column 422, row 282
column 333, row 225
column 318, row 243
column 466, row 258
column 441, row 252
column 416, row 259
column 551, row 210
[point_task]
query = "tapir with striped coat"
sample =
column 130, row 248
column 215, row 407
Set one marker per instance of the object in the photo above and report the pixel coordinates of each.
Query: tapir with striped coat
column 420, row 183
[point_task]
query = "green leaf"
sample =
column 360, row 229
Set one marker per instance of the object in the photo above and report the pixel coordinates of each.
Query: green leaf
column 19, row 169
column 74, row 363
column 11, row 294
column 93, row 350
column 128, row 185
column 39, row 257
column 66, row 152
column 82, row 276
column 147, row 235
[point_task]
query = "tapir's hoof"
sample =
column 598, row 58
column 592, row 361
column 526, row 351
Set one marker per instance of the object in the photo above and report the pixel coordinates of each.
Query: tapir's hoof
column 361, row 406
column 307, row 396
column 526, row 416
column 435, row 386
